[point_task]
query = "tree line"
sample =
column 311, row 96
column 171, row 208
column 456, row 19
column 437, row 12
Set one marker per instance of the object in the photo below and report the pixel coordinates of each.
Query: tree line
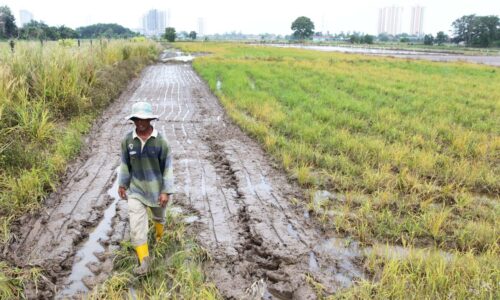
column 41, row 31
column 480, row 31
column 471, row 30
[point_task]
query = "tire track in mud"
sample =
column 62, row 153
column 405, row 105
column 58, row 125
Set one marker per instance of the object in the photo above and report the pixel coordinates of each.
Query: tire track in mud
column 246, row 223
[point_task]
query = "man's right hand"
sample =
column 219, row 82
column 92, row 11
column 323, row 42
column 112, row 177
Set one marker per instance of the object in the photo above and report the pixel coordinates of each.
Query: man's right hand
column 122, row 192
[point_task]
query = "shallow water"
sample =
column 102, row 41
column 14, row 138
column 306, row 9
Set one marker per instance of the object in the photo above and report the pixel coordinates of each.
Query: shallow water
column 85, row 255
column 426, row 55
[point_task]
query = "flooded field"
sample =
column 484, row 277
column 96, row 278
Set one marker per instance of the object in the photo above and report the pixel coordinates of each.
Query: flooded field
column 433, row 56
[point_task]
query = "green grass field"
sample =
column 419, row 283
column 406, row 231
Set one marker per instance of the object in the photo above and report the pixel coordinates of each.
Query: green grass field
column 411, row 147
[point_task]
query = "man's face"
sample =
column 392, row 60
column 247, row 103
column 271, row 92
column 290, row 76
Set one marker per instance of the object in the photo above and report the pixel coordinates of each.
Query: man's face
column 141, row 124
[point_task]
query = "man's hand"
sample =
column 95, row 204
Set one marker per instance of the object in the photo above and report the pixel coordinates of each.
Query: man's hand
column 163, row 199
column 122, row 192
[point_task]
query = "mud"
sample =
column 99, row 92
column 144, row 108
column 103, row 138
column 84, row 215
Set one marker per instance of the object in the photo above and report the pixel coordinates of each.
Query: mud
column 260, row 244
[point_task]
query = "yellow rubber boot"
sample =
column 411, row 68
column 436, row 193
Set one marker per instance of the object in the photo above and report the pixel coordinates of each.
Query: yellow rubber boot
column 142, row 252
column 143, row 255
column 159, row 231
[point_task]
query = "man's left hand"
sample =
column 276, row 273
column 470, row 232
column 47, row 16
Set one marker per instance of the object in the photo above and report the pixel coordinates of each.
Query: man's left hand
column 163, row 199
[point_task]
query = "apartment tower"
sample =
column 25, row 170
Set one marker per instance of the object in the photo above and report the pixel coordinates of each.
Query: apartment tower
column 417, row 21
column 389, row 20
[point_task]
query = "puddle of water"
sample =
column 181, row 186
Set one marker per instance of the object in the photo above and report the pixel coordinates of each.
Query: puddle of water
column 338, row 247
column 359, row 50
column 178, row 211
column 313, row 262
column 175, row 210
column 343, row 280
column 264, row 185
column 191, row 219
column 86, row 255
column 182, row 58
column 292, row 232
column 176, row 56
column 399, row 252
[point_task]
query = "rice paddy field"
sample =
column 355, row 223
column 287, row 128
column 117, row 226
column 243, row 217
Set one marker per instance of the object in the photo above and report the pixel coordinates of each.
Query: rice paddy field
column 409, row 150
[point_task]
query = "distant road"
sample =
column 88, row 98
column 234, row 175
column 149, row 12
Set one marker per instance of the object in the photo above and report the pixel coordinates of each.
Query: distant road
column 434, row 56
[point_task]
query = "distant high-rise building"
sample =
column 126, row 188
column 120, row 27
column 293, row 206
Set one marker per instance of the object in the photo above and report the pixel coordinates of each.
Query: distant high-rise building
column 389, row 20
column 154, row 22
column 201, row 27
column 417, row 20
column 25, row 17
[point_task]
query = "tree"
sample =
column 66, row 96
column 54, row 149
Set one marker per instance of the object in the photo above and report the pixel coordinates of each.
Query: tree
column 34, row 30
column 486, row 31
column 170, row 34
column 303, row 28
column 368, row 39
column 67, row 33
column 355, row 38
column 441, row 37
column 383, row 37
column 8, row 28
column 482, row 31
column 105, row 30
column 428, row 40
column 463, row 28
column 192, row 35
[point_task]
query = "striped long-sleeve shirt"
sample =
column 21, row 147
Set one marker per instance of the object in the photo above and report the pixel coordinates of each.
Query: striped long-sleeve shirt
column 146, row 170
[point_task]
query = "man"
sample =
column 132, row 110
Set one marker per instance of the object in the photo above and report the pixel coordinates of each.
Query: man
column 145, row 179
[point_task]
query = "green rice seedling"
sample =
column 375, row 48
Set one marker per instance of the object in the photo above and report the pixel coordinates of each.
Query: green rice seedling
column 13, row 280
column 434, row 221
column 428, row 275
column 303, row 174
column 5, row 234
column 478, row 236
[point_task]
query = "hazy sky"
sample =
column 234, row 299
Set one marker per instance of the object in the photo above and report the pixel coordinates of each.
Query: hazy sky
column 253, row 16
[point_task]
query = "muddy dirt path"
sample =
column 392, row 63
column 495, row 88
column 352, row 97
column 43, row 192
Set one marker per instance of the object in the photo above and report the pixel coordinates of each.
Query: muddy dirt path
column 246, row 223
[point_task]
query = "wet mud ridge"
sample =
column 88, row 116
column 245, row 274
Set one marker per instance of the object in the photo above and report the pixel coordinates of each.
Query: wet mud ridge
column 261, row 246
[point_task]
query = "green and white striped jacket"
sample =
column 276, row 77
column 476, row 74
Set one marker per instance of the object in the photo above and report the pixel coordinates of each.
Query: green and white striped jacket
column 146, row 171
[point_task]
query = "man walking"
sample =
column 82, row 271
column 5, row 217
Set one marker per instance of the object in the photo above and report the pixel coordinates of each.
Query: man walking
column 145, row 179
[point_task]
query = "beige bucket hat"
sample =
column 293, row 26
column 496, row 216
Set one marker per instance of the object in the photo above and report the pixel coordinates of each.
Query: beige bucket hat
column 142, row 110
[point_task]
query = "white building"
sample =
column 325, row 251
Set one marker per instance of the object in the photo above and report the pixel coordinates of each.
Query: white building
column 417, row 21
column 25, row 17
column 390, row 20
column 154, row 22
column 201, row 27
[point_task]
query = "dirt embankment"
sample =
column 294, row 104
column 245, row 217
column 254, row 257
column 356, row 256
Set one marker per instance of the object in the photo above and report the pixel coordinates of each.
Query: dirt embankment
column 257, row 240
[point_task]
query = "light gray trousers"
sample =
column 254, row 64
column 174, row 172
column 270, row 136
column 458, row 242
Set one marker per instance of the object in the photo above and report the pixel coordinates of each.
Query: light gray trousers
column 138, row 217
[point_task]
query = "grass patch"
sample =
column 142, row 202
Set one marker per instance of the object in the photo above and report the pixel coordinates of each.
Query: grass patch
column 14, row 280
column 176, row 269
column 429, row 275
